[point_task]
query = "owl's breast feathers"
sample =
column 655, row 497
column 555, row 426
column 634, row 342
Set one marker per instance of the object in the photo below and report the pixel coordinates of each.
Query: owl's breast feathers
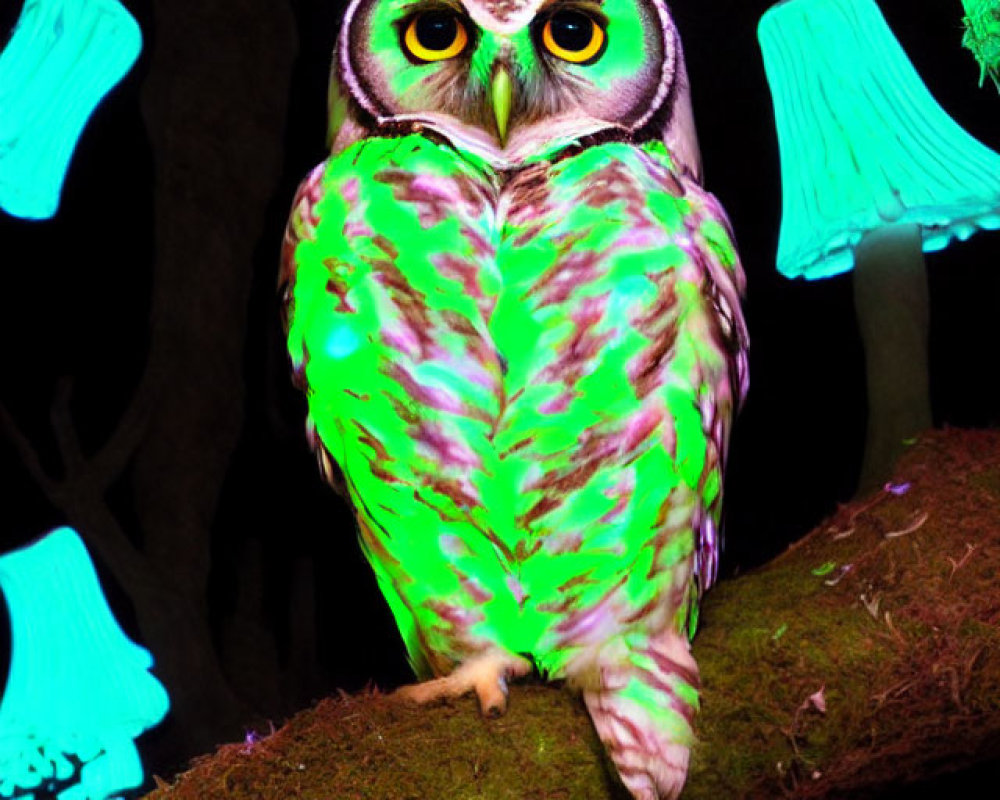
column 527, row 379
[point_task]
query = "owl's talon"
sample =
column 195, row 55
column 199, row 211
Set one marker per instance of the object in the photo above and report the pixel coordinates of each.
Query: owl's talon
column 492, row 697
column 484, row 674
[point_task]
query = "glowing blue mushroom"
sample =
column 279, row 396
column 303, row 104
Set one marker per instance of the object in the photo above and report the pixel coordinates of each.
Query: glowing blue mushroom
column 874, row 172
column 79, row 690
column 63, row 57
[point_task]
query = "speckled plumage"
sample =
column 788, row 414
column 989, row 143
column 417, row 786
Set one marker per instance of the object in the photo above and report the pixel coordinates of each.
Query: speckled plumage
column 521, row 367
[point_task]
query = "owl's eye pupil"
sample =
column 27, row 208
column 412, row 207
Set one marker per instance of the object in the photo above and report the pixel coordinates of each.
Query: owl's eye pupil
column 571, row 30
column 436, row 30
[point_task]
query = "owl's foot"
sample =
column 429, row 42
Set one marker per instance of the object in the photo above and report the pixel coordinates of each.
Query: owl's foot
column 486, row 674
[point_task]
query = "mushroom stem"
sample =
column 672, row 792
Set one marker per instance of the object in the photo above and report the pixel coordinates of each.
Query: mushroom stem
column 892, row 305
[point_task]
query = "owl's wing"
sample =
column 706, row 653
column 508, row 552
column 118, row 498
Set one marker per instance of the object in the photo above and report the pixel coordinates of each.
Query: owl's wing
column 390, row 272
column 719, row 337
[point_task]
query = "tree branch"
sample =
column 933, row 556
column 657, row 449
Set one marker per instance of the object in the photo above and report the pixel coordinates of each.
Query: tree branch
column 848, row 664
column 28, row 453
column 110, row 461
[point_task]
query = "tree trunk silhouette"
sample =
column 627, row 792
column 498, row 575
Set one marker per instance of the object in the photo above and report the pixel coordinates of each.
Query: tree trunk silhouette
column 214, row 103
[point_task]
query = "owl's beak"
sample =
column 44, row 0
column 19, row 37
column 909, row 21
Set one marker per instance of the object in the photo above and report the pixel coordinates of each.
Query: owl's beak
column 502, row 93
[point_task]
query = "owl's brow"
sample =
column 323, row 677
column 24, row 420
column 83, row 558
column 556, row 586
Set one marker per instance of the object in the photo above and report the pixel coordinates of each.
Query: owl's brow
column 410, row 7
column 590, row 6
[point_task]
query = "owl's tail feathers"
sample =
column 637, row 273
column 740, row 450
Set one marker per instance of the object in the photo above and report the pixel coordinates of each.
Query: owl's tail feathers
column 486, row 674
column 643, row 709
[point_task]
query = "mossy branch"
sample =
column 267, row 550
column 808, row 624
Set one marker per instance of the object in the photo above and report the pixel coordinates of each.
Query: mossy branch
column 865, row 656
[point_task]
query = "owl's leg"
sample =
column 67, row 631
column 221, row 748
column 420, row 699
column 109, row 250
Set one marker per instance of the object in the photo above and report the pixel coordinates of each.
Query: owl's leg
column 643, row 708
column 486, row 674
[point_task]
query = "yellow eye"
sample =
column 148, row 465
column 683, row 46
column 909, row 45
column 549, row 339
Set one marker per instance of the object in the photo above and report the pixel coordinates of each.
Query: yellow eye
column 435, row 36
column 573, row 36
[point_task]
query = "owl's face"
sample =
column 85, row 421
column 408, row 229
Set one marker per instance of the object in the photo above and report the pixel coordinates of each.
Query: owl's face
column 512, row 72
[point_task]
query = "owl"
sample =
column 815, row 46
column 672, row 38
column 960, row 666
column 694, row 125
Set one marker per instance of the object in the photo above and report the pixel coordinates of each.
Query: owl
column 515, row 314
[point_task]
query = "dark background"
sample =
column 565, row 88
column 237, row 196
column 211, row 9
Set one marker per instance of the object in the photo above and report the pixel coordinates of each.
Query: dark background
column 77, row 295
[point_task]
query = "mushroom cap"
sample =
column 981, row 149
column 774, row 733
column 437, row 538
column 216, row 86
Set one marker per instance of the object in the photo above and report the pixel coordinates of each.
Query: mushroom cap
column 63, row 57
column 77, row 685
column 982, row 36
column 863, row 143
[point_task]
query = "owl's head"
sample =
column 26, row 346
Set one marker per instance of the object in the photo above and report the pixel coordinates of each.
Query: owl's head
column 508, row 78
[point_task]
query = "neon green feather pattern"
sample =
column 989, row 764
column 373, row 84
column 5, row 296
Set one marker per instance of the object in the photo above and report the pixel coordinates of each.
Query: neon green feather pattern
column 525, row 380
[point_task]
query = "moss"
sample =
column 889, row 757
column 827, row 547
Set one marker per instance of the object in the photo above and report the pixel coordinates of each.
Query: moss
column 370, row 746
column 988, row 482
